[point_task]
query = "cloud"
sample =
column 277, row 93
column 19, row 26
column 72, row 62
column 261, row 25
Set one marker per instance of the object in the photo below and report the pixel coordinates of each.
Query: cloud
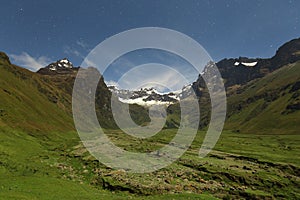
column 126, row 63
column 29, row 62
column 112, row 83
column 83, row 45
column 88, row 63
column 70, row 51
column 161, row 77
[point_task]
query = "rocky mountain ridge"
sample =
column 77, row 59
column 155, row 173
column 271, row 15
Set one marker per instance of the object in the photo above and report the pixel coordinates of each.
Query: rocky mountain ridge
column 150, row 96
column 239, row 71
column 62, row 66
column 235, row 72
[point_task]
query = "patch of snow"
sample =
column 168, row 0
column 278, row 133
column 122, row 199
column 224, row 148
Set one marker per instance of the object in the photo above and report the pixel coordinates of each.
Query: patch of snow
column 157, row 92
column 52, row 68
column 141, row 102
column 148, row 91
column 67, row 65
column 64, row 61
column 236, row 63
column 251, row 64
column 175, row 96
column 187, row 87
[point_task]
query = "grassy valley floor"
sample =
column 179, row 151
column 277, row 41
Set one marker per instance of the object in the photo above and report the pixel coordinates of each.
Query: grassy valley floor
column 57, row 166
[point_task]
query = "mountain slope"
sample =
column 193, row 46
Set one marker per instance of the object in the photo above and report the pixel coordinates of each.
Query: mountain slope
column 30, row 103
column 251, row 103
column 239, row 71
column 268, row 105
column 42, row 101
column 62, row 75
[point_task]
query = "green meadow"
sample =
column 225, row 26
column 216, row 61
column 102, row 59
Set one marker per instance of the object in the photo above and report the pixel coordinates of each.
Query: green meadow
column 59, row 167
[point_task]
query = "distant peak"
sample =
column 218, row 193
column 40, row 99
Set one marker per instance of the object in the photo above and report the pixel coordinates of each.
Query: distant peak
column 62, row 66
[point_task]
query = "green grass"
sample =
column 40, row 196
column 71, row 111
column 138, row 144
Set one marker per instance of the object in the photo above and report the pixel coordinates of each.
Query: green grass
column 50, row 188
column 243, row 163
column 264, row 104
column 23, row 105
column 274, row 148
column 33, row 187
column 35, row 167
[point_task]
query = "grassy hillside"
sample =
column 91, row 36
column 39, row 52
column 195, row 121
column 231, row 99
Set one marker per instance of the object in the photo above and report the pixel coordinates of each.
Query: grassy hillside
column 267, row 105
column 29, row 103
column 36, row 102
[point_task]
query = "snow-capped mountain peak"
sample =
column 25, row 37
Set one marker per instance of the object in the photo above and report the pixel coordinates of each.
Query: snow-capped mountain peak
column 145, row 96
column 150, row 96
column 61, row 64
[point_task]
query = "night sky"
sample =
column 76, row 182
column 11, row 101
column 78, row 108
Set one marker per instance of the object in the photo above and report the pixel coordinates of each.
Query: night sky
column 34, row 33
